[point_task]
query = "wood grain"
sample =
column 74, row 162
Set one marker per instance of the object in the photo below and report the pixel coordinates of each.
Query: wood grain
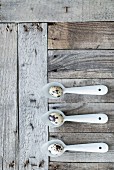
column 85, row 108
column 53, row 11
column 76, row 138
column 80, row 166
column 80, row 64
column 8, row 97
column 87, row 35
column 32, row 76
column 74, row 98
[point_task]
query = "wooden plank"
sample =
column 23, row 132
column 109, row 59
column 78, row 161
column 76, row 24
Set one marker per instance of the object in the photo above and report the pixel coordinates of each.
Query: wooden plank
column 80, row 166
column 53, row 11
column 85, row 108
column 76, row 138
column 74, row 98
column 8, row 97
column 81, row 64
column 32, row 76
column 88, row 35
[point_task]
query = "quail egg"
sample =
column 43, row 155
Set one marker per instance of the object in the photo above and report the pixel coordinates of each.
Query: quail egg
column 56, row 149
column 56, row 118
column 56, row 91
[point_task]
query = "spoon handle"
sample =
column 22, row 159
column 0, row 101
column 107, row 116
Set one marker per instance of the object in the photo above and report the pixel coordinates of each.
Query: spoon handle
column 88, row 118
column 91, row 147
column 91, row 90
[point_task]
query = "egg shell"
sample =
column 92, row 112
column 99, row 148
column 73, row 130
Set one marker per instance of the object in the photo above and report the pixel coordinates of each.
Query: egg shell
column 56, row 118
column 56, row 91
column 55, row 149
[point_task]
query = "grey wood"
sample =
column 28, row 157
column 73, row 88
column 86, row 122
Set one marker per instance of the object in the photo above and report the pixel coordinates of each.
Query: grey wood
column 80, row 64
column 76, row 138
column 84, row 35
column 85, row 108
column 32, row 49
column 74, row 98
column 80, row 166
column 52, row 11
column 8, row 97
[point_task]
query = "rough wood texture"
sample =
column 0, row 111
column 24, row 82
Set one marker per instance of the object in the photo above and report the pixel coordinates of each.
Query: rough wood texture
column 57, row 10
column 74, row 98
column 88, row 35
column 32, row 76
column 85, row 108
column 8, row 97
column 81, row 64
column 80, row 166
column 76, row 138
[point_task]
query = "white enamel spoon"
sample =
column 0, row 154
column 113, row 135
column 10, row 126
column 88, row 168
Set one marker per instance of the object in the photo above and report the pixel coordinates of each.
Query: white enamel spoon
column 56, row 118
column 55, row 148
column 56, row 90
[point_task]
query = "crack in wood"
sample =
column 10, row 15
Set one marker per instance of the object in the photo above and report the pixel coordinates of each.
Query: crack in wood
column 32, row 126
column 66, row 9
column 25, row 28
column 26, row 163
column 11, row 165
column 32, row 100
column 41, row 164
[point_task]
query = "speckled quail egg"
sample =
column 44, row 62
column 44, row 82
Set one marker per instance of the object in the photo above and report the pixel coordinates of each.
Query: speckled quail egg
column 56, row 118
column 56, row 91
column 55, row 149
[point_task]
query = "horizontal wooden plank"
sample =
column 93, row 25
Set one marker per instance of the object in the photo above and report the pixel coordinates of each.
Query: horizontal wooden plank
column 88, row 35
column 8, row 97
column 32, row 67
column 80, row 64
column 52, row 11
column 79, row 138
column 80, row 166
column 85, row 108
column 74, row 98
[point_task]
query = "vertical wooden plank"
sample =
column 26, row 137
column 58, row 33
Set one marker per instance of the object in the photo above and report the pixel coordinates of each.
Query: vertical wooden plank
column 8, row 97
column 32, row 76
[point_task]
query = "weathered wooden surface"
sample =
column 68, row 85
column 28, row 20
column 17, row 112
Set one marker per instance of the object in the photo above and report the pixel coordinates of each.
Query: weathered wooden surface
column 8, row 97
column 81, row 166
column 23, row 72
column 52, row 11
column 85, row 108
column 88, row 35
column 74, row 98
column 76, row 138
column 81, row 64
column 79, row 68
column 32, row 76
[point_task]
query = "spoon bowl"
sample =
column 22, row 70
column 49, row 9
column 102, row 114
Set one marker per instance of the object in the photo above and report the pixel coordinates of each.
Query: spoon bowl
column 47, row 121
column 46, row 88
column 45, row 147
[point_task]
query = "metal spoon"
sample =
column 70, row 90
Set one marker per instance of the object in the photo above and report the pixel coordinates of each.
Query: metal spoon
column 56, row 90
column 56, row 118
column 55, row 148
